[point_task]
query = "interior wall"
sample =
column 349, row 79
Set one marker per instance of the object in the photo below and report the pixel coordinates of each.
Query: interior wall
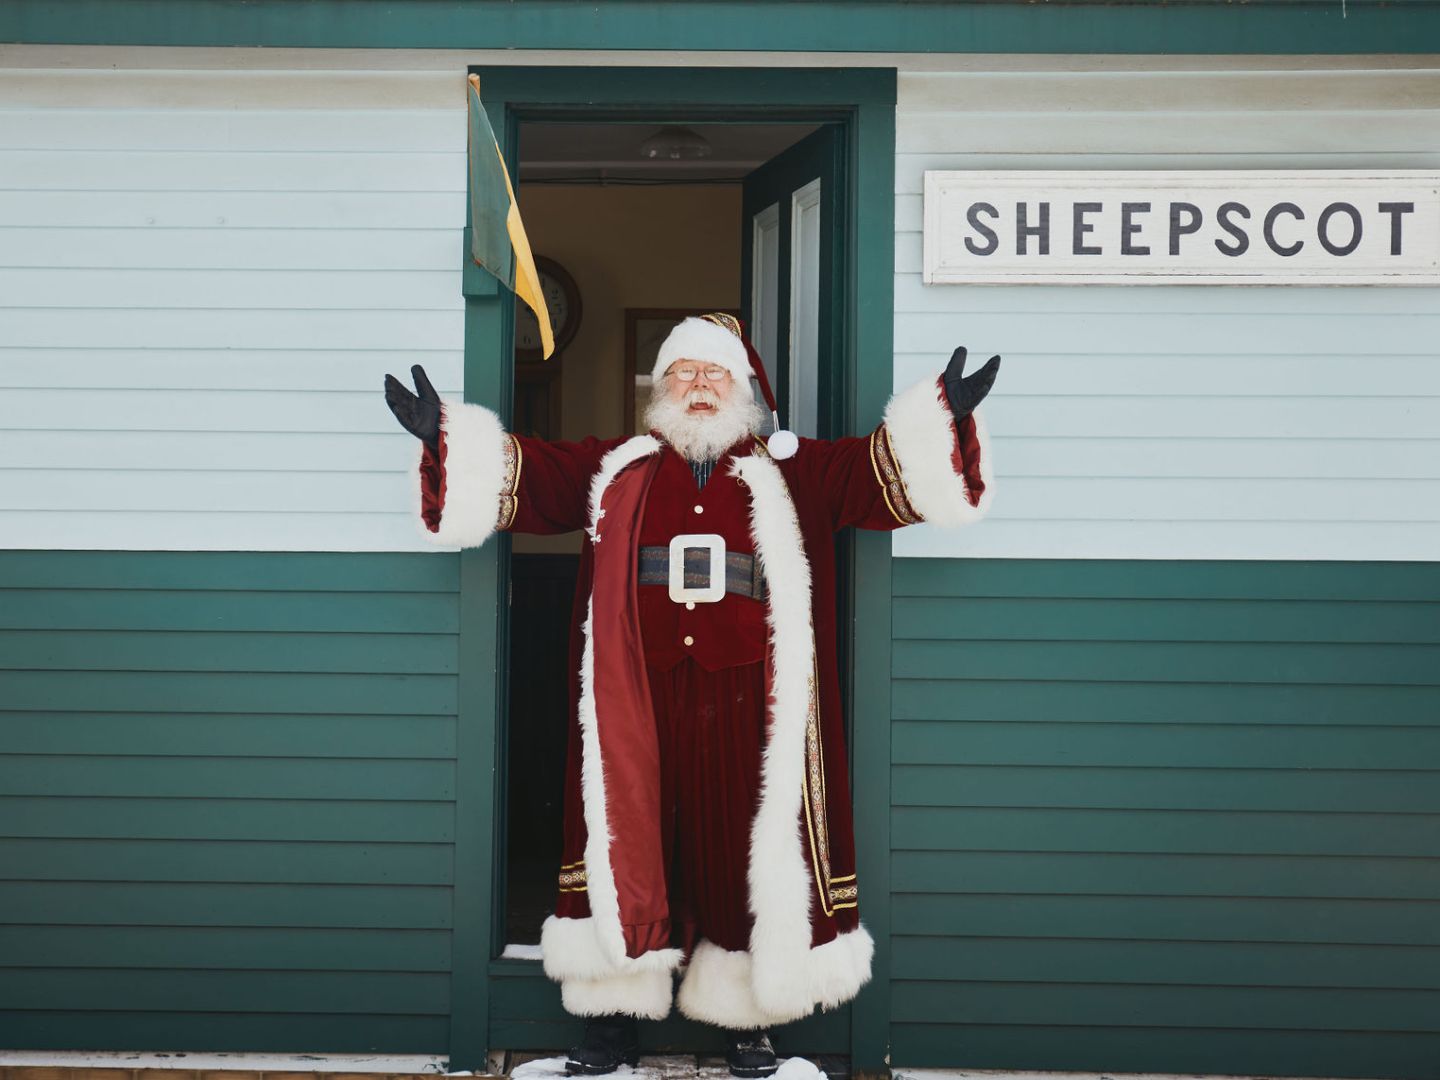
column 627, row 246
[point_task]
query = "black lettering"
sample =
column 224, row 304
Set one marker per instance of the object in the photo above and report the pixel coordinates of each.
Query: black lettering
column 1077, row 244
column 1022, row 230
column 1180, row 228
column 1395, row 209
column 991, row 240
column 1270, row 216
column 1129, row 228
column 1322, row 228
column 1242, row 242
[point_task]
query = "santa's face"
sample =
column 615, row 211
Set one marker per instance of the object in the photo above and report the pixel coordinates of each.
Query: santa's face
column 704, row 414
column 703, row 388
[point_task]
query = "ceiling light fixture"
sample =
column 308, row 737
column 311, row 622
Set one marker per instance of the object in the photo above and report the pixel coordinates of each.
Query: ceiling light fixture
column 675, row 144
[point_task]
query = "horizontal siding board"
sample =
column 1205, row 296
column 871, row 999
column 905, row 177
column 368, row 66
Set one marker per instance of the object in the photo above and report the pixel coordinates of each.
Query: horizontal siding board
column 142, row 817
column 230, row 610
column 1168, row 579
column 212, row 452
column 1309, row 663
column 299, row 369
column 1169, row 787
column 348, row 250
column 391, row 330
column 233, row 130
column 1170, row 918
column 1201, row 1051
column 269, row 862
column 252, row 692
column 1244, row 966
column 231, row 209
column 187, row 490
column 227, row 734
column 216, row 1032
column 1165, row 745
column 279, row 289
column 1209, row 832
column 224, row 947
column 126, row 169
column 66, row 650
column 202, row 574
column 1169, row 131
column 1168, row 703
column 991, row 619
column 1084, row 1004
column 226, row 777
column 375, row 907
column 225, row 991
column 183, row 530
column 1116, row 91
column 1165, row 874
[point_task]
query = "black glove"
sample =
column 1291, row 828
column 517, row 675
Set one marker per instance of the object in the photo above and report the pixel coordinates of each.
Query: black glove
column 418, row 415
column 962, row 393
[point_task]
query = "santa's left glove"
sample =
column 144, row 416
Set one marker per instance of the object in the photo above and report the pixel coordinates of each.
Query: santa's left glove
column 964, row 393
column 418, row 415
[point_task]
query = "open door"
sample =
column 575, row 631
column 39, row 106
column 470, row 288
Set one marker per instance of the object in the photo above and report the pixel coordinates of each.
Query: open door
column 789, row 290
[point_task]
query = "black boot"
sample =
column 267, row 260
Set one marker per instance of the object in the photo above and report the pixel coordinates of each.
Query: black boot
column 610, row 1041
column 749, row 1053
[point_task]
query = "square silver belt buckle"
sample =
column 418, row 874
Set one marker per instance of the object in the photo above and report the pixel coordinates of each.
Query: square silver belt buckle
column 715, row 544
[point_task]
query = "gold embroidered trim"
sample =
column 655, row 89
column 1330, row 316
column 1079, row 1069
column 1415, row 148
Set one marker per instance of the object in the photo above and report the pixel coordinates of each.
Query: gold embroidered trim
column 573, row 880
column 816, row 819
column 887, row 475
column 844, row 896
column 513, row 460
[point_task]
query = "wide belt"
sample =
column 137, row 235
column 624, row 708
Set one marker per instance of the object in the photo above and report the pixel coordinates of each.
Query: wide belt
column 742, row 575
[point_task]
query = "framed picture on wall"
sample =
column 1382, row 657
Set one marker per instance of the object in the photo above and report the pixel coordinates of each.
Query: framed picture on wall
column 645, row 331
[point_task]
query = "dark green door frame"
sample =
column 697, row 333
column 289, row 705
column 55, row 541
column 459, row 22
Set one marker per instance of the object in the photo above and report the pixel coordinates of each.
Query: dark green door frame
column 863, row 100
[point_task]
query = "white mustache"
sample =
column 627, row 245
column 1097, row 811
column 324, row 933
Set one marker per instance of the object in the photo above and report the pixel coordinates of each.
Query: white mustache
column 702, row 395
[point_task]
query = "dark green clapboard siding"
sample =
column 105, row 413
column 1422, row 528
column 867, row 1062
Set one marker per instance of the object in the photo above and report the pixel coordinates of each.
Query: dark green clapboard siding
column 227, row 790
column 1178, row 817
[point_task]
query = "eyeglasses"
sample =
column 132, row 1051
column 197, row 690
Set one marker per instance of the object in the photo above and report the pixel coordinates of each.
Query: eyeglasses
column 687, row 374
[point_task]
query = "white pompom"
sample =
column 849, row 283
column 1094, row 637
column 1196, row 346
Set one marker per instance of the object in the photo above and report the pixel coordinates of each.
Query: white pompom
column 782, row 444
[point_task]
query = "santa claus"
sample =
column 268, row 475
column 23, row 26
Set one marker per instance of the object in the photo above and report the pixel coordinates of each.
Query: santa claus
column 707, row 823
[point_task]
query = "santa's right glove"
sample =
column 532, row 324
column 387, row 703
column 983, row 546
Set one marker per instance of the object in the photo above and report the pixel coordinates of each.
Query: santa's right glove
column 964, row 394
column 418, row 415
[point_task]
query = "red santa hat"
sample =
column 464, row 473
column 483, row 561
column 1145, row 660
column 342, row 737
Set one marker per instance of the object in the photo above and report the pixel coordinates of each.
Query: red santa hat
column 718, row 338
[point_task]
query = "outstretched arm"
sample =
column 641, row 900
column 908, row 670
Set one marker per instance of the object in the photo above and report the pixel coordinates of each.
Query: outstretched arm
column 477, row 478
column 928, row 461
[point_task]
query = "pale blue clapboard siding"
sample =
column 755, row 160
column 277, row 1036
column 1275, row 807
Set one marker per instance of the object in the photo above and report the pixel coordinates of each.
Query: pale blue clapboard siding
column 203, row 279
column 1183, row 422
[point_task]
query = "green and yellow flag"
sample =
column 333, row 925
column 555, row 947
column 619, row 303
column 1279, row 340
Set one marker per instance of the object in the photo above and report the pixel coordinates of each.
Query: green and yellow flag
column 497, row 235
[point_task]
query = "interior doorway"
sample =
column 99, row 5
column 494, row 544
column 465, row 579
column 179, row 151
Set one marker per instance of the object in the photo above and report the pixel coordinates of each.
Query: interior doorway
column 635, row 225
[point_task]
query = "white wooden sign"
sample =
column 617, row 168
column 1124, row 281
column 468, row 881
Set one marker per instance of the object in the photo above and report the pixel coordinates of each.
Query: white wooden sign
column 1235, row 227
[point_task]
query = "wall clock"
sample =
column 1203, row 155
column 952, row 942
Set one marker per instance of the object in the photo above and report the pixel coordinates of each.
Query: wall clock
column 563, row 300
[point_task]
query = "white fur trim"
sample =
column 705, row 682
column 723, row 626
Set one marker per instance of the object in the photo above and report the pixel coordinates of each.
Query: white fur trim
column 719, row 986
column 922, row 433
column 780, row 882
column 570, row 949
column 474, row 476
column 697, row 339
column 592, row 948
column 643, row 994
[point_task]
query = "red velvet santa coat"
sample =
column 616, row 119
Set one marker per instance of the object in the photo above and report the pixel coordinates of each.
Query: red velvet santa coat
column 609, row 943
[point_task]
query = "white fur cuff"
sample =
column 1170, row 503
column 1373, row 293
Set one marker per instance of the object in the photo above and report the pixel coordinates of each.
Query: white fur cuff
column 720, row 988
column 643, row 994
column 922, row 434
column 571, row 949
column 476, row 474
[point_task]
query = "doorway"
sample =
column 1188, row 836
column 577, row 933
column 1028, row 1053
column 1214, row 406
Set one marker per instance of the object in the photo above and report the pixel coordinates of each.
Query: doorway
column 787, row 267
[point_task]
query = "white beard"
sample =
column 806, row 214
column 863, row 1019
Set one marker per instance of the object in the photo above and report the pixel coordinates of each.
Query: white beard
column 703, row 436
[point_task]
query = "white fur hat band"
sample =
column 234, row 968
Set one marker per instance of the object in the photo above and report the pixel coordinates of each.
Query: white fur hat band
column 703, row 341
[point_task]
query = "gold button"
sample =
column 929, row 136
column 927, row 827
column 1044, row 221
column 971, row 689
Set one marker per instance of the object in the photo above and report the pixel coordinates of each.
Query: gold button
column 689, row 605
column 689, row 640
column 699, row 509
